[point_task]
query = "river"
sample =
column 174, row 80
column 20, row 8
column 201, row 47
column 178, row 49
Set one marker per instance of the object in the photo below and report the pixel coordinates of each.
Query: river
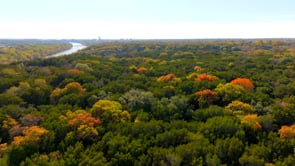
column 75, row 47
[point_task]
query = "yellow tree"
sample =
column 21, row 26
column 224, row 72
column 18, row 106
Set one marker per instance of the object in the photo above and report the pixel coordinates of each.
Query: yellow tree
column 192, row 76
column 240, row 108
column 20, row 90
column 109, row 111
column 251, row 121
column 40, row 83
column 9, row 122
column 198, row 68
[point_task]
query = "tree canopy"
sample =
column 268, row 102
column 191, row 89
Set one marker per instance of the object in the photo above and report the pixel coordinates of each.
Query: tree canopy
column 159, row 102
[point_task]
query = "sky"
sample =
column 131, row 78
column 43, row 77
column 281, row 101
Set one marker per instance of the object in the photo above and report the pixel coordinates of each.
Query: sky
column 146, row 19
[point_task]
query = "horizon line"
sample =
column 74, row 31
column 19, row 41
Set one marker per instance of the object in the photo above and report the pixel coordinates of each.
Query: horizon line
column 209, row 38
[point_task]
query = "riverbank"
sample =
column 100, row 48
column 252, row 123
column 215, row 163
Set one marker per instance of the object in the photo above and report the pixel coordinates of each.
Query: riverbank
column 75, row 47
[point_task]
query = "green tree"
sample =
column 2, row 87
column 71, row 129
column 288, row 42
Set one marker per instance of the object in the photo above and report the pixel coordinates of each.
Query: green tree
column 220, row 127
column 246, row 160
column 8, row 99
column 211, row 111
column 137, row 99
column 229, row 150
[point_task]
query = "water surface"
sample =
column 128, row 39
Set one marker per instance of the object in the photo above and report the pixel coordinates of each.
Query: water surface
column 75, row 47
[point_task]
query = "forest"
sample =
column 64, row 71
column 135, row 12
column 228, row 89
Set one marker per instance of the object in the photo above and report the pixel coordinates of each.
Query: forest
column 149, row 102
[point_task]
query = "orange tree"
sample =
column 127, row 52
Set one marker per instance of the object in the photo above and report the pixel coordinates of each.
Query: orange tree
column 287, row 132
column 244, row 82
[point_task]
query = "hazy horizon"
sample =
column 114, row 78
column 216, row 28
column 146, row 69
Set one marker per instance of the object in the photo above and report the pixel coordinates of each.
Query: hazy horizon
column 138, row 19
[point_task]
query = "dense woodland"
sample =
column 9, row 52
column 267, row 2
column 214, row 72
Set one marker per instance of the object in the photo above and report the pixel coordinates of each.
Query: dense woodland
column 165, row 102
column 24, row 50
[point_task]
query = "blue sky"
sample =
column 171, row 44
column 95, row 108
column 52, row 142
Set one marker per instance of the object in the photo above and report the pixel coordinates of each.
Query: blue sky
column 147, row 19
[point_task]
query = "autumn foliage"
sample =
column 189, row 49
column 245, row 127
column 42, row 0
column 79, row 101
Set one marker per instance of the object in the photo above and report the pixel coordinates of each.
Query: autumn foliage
column 205, row 77
column 9, row 122
column 3, row 148
column 251, row 121
column 83, row 118
column 207, row 96
column 198, row 68
column 83, row 123
column 75, row 72
column 194, row 104
column 167, row 77
column 141, row 69
column 72, row 87
column 138, row 69
column 192, row 76
column 287, row 132
column 30, row 135
column 109, row 110
column 244, row 82
column 240, row 108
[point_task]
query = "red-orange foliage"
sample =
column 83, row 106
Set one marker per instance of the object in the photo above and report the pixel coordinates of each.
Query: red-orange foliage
column 207, row 96
column 167, row 77
column 75, row 72
column 82, row 122
column 287, row 132
column 84, row 119
column 244, row 82
column 141, row 69
column 205, row 77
